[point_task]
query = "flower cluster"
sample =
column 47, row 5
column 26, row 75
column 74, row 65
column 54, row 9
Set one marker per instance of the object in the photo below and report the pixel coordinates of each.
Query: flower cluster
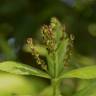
column 69, row 50
column 56, row 40
column 48, row 37
column 35, row 53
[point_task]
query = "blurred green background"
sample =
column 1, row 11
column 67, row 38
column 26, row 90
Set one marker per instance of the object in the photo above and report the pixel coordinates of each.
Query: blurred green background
column 20, row 19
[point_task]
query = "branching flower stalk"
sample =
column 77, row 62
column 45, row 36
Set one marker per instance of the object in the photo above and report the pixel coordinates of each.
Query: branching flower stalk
column 58, row 46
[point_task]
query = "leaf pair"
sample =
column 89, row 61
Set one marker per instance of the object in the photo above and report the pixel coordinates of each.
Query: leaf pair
column 22, row 69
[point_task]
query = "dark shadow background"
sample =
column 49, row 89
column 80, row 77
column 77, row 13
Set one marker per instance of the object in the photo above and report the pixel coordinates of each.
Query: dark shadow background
column 20, row 19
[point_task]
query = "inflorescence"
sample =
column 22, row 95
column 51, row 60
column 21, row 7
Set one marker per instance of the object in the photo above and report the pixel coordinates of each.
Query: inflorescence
column 52, row 39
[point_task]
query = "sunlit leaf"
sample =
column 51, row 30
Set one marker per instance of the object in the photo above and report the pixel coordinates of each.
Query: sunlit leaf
column 82, row 73
column 22, row 69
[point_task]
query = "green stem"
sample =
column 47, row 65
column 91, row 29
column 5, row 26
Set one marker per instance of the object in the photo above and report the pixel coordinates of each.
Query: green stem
column 55, row 87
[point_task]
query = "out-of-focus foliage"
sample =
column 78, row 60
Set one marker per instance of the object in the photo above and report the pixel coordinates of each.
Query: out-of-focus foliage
column 19, row 85
column 20, row 19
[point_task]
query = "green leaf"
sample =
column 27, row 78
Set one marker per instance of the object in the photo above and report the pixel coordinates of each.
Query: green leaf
column 88, row 90
column 50, row 65
column 22, row 69
column 62, row 52
column 82, row 73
